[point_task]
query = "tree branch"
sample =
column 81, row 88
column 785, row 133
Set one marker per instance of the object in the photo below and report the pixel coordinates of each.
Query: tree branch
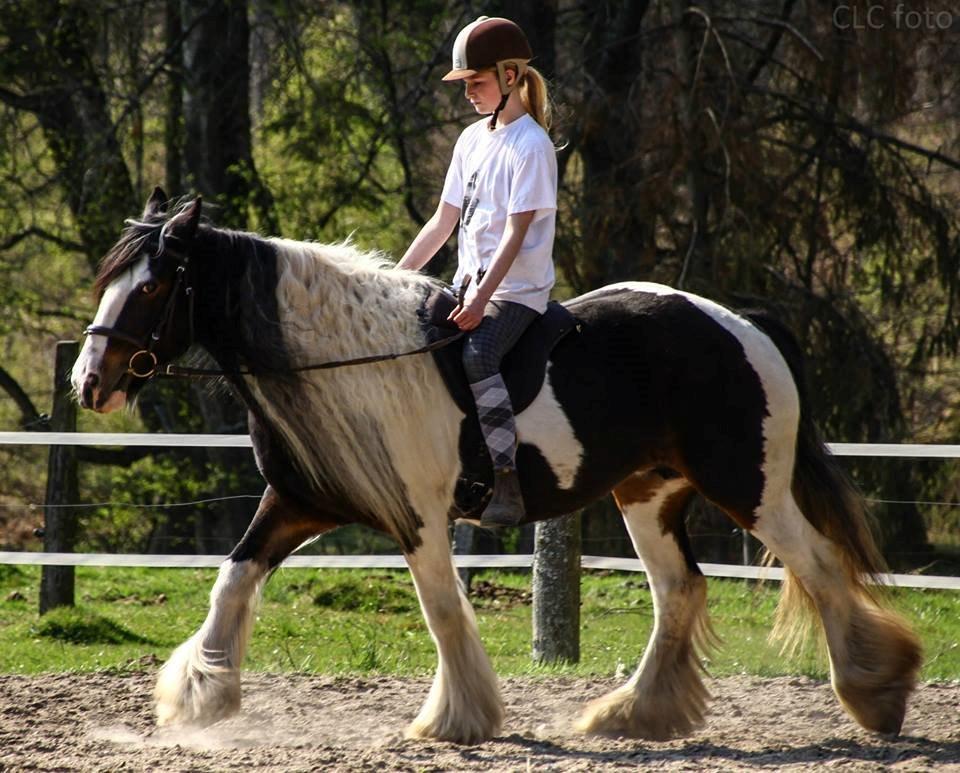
column 14, row 240
column 852, row 124
column 28, row 411
column 29, row 102
column 772, row 44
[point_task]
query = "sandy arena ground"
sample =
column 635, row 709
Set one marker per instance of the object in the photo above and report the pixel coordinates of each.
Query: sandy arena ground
column 104, row 722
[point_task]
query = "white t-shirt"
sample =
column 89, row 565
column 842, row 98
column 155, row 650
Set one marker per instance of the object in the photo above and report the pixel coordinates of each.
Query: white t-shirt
column 498, row 173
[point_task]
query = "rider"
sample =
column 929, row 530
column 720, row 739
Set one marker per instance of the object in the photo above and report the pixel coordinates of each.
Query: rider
column 501, row 188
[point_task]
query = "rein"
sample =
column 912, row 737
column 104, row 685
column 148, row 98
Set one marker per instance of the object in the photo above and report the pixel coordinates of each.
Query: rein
column 180, row 371
column 148, row 342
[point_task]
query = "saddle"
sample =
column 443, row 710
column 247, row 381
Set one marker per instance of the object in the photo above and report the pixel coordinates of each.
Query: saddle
column 523, row 369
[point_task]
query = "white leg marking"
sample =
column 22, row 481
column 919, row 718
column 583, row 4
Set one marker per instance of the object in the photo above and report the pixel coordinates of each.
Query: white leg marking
column 874, row 656
column 464, row 703
column 665, row 697
column 545, row 425
column 200, row 683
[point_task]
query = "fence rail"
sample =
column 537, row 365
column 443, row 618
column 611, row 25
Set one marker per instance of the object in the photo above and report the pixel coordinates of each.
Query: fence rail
column 513, row 561
column 907, row 450
column 158, row 440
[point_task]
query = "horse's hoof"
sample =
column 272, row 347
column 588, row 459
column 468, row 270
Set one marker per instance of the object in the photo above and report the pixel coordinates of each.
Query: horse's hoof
column 186, row 694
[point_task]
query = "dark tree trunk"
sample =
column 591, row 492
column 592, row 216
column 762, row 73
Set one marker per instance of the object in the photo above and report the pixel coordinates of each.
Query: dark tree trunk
column 605, row 135
column 48, row 49
column 216, row 106
column 173, row 118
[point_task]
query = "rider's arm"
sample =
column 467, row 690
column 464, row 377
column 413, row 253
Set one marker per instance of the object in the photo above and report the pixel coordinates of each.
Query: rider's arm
column 431, row 238
column 469, row 316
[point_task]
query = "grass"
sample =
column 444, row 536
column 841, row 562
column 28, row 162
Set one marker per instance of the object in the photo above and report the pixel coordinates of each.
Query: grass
column 368, row 622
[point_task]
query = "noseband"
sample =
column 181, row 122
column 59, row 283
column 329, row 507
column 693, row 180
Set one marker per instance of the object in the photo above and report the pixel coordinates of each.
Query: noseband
column 143, row 362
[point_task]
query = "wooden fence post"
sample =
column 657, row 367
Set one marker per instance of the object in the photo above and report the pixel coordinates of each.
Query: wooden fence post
column 556, row 590
column 60, row 527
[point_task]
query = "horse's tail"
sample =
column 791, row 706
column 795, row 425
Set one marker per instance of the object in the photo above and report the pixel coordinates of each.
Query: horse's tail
column 826, row 496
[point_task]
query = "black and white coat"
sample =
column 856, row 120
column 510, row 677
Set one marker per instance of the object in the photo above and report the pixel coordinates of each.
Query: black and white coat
column 659, row 395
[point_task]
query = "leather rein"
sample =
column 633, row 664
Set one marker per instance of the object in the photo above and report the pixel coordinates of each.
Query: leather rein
column 150, row 368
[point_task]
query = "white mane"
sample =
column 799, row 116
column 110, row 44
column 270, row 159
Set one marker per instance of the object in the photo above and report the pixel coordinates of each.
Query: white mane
column 360, row 429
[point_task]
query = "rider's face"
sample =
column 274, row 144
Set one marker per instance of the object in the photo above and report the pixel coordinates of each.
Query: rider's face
column 483, row 91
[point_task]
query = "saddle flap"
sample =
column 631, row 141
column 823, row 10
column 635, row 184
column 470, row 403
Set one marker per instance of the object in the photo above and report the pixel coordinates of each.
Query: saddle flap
column 524, row 366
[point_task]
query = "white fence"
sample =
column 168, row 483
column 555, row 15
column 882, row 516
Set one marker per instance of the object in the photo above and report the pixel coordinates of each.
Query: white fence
column 899, row 450
column 913, row 451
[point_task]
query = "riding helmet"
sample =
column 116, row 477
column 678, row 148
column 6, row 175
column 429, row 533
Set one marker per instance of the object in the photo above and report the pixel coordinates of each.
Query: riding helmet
column 490, row 42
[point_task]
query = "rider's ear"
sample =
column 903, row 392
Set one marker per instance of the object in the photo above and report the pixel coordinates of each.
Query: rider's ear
column 156, row 204
column 184, row 224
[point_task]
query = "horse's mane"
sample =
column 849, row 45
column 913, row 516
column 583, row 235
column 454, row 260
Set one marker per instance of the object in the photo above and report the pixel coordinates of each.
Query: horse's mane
column 270, row 305
column 351, row 429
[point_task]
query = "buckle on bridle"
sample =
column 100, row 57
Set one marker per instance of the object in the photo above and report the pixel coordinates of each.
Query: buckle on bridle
column 132, row 369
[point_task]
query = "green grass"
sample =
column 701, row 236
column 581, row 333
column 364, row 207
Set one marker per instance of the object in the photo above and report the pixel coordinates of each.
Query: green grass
column 368, row 622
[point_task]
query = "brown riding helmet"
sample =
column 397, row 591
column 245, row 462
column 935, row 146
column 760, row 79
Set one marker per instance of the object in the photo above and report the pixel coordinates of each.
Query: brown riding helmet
column 490, row 42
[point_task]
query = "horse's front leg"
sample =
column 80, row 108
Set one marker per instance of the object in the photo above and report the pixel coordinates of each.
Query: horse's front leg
column 200, row 683
column 464, row 703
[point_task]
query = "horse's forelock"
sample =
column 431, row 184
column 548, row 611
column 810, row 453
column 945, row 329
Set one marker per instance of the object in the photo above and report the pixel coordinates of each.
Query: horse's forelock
column 123, row 254
column 127, row 250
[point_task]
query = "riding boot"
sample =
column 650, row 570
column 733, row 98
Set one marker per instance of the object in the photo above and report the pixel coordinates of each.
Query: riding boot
column 505, row 507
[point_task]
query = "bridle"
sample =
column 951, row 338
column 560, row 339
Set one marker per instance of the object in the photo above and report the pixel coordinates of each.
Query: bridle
column 143, row 362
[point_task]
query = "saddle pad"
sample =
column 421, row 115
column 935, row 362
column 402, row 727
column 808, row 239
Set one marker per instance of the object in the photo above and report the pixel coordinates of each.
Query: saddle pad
column 523, row 367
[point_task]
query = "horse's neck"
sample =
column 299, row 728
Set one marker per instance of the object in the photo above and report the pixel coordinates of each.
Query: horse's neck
column 335, row 303
column 274, row 299
column 237, row 320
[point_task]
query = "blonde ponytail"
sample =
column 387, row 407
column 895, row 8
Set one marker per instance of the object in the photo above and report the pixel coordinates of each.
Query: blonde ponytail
column 536, row 97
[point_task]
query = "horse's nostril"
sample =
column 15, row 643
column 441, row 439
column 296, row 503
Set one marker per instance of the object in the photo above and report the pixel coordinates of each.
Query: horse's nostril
column 91, row 382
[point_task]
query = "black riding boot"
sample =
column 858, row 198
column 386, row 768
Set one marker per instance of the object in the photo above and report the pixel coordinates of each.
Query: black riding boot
column 506, row 505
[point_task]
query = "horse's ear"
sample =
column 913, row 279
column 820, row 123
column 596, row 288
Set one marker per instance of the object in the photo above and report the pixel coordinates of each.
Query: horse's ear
column 184, row 224
column 156, row 204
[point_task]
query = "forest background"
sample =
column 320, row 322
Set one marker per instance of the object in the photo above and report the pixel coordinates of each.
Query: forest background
column 792, row 155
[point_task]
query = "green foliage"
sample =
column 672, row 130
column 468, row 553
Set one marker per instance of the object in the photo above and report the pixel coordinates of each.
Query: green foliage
column 74, row 625
column 379, row 593
column 137, row 496
column 368, row 622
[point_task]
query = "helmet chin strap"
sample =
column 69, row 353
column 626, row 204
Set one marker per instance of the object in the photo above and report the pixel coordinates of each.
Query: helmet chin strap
column 493, row 116
column 506, row 88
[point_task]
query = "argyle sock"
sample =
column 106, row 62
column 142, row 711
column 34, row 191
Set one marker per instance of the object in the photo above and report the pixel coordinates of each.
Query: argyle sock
column 496, row 421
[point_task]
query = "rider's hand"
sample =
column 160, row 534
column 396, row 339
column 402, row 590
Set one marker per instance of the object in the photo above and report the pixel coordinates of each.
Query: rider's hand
column 470, row 314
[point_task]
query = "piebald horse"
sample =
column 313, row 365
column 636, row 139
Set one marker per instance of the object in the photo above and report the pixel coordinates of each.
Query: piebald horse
column 658, row 395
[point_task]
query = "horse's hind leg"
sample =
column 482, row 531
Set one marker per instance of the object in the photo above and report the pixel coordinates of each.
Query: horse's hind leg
column 874, row 657
column 666, row 696
column 200, row 683
column 464, row 703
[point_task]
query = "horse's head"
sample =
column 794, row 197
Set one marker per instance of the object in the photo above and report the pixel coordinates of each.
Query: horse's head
column 143, row 320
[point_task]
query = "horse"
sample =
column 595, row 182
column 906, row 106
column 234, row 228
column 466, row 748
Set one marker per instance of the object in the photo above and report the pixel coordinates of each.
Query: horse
column 660, row 394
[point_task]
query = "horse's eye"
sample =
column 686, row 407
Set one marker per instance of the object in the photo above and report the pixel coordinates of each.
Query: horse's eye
column 148, row 288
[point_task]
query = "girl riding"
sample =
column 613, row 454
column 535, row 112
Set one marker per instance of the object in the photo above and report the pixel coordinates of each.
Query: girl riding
column 501, row 189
